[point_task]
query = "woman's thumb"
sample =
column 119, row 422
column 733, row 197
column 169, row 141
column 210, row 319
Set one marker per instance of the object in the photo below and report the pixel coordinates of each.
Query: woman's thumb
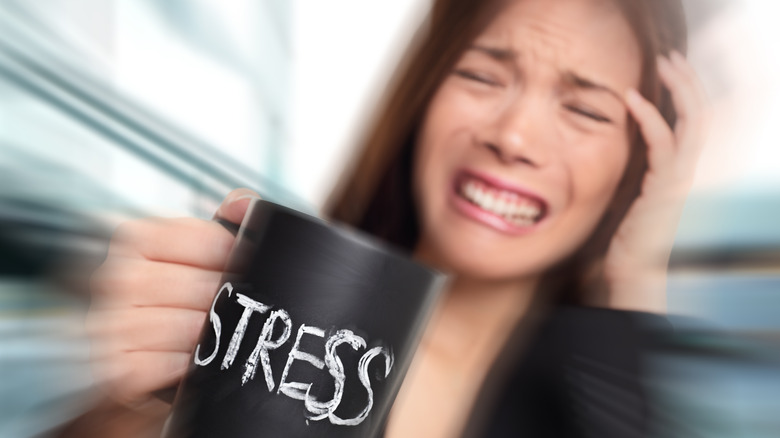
column 235, row 204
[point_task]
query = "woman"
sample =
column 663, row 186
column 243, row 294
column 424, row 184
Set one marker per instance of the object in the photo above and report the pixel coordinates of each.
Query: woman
column 530, row 148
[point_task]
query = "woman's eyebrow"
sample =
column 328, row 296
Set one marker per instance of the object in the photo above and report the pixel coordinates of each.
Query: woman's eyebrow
column 571, row 78
column 577, row 81
column 496, row 53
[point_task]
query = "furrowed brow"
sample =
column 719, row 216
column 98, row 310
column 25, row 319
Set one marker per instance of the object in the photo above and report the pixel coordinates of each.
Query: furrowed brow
column 503, row 55
column 580, row 82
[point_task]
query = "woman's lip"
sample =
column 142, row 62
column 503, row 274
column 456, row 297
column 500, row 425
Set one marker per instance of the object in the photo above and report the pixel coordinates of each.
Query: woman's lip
column 492, row 220
column 500, row 184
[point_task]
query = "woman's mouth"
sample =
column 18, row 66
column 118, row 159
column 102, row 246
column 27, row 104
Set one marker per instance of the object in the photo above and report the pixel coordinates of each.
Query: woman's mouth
column 513, row 207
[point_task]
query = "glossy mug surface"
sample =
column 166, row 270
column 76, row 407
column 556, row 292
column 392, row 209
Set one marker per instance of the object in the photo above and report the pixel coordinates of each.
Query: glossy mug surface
column 310, row 333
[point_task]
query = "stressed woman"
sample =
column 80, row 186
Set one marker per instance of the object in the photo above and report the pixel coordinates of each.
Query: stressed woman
column 539, row 151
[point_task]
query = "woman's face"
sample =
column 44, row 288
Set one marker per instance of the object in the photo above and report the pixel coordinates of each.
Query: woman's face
column 525, row 142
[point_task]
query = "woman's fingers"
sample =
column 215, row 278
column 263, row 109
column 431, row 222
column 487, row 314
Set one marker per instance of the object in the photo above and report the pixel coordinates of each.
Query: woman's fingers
column 137, row 351
column 132, row 380
column 658, row 135
column 144, row 283
column 149, row 329
column 690, row 102
column 687, row 69
column 234, row 207
column 152, row 295
column 187, row 241
column 692, row 132
column 684, row 95
column 673, row 153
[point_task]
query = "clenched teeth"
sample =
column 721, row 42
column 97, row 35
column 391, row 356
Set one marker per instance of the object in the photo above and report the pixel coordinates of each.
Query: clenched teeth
column 514, row 208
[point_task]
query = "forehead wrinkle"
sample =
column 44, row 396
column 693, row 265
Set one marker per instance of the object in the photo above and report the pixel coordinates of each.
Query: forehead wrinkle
column 548, row 34
column 575, row 80
column 544, row 42
column 532, row 41
column 509, row 32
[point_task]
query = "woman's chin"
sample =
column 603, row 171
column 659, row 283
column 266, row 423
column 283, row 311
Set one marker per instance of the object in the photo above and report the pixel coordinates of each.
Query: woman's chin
column 489, row 266
column 478, row 270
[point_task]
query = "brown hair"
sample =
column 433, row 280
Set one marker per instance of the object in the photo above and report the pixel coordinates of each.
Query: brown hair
column 375, row 195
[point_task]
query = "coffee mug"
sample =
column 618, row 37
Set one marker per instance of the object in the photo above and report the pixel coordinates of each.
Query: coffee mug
column 310, row 333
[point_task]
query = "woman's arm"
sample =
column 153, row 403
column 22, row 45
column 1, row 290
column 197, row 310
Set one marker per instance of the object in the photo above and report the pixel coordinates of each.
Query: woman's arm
column 636, row 262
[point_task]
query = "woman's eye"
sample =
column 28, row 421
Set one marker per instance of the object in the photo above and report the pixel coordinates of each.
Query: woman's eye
column 478, row 77
column 588, row 113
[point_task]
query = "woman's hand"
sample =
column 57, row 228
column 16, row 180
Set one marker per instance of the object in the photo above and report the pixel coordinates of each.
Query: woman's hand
column 151, row 296
column 636, row 262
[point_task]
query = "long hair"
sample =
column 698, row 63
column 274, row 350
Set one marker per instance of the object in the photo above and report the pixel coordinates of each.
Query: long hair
column 375, row 193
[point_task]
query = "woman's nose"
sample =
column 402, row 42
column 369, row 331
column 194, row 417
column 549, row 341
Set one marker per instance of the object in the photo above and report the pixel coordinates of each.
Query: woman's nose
column 515, row 133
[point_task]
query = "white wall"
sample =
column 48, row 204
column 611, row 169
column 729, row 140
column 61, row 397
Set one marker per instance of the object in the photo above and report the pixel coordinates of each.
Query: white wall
column 343, row 52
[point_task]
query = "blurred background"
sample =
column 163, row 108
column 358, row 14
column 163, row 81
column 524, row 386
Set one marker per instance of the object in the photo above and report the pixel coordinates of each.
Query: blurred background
column 113, row 109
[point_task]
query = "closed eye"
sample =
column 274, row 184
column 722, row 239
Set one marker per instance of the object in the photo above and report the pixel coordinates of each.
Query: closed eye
column 588, row 113
column 472, row 76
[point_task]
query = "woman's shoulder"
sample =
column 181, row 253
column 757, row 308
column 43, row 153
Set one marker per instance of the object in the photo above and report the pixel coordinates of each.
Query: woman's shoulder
column 604, row 326
column 582, row 373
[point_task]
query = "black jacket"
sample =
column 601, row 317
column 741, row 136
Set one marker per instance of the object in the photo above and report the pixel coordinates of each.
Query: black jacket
column 581, row 375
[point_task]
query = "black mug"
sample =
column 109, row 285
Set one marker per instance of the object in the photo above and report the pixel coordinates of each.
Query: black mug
column 310, row 334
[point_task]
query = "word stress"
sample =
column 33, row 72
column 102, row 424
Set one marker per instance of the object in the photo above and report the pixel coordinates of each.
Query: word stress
column 268, row 341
